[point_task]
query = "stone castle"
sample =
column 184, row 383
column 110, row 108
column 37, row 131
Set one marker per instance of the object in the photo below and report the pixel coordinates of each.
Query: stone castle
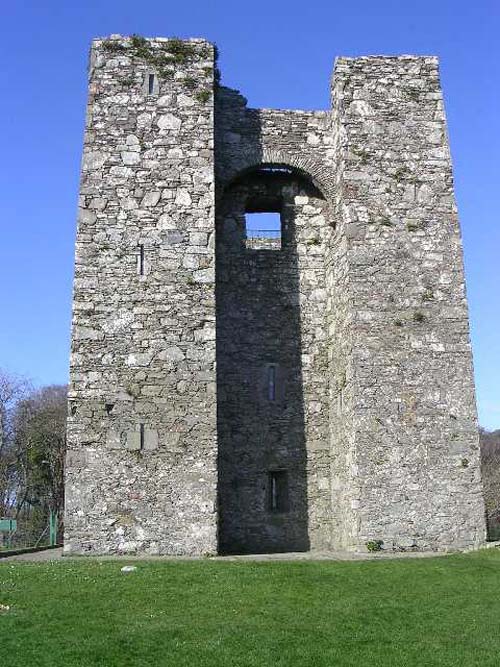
column 305, row 384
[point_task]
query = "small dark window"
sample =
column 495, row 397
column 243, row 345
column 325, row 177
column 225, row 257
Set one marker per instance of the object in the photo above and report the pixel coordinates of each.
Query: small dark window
column 151, row 84
column 263, row 230
column 140, row 260
column 141, row 436
column 278, row 491
column 109, row 408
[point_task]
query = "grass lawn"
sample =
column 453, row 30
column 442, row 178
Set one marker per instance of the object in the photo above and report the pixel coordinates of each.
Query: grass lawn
column 438, row 611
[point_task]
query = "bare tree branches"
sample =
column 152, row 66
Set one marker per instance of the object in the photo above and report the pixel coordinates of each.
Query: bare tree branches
column 490, row 468
column 40, row 445
column 32, row 450
column 12, row 390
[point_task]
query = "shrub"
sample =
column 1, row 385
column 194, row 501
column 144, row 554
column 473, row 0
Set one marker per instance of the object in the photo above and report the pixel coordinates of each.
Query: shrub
column 374, row 545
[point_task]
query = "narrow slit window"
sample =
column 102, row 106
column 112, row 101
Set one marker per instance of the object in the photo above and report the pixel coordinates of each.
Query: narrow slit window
column 278, row 491
column 263, row 230
column 141, row 437
column 271, row 382
column 151, row 84
column 140, row 260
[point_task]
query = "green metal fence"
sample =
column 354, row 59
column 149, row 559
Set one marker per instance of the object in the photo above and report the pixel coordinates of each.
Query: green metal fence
column 30, row 531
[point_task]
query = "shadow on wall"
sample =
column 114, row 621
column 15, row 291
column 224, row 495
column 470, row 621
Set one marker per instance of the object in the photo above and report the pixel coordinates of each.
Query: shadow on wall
column 261, row 431
column 262, row 457
column 274, row 461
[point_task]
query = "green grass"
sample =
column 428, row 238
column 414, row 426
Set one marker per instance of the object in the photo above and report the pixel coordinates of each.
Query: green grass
column 437, row 611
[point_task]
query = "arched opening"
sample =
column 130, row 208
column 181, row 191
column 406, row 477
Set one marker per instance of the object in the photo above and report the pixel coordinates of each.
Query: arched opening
column 268, row 314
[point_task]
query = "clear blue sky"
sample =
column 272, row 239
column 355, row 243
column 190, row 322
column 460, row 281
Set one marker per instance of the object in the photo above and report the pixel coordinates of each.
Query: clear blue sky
column 279, row 54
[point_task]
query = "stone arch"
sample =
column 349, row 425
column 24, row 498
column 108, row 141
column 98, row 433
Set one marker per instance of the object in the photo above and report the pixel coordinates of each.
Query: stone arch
column 308, row 167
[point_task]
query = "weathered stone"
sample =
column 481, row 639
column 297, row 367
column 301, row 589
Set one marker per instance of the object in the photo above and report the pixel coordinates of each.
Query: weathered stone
column 139, row 359
column 213, row 368
column 204, row 276
column 93, row 159
column 130, row 157
column 182, row 197
column 172, row 354
column 113, row 440
column 150, row 199
column 150, row 439
column 169, row 122
column 133, row 440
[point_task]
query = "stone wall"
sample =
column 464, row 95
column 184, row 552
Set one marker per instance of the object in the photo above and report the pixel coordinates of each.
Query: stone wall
column 362, row 313
column 141, row 467
column 270, row 311
column 415, row 458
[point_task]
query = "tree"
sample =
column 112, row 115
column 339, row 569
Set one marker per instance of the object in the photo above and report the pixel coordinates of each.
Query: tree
column 490, row 468
column 32, row 452
column 12, row 390
column 40, row 446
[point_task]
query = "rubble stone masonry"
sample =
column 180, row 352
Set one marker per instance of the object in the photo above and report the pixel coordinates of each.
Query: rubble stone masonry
column 310, row 388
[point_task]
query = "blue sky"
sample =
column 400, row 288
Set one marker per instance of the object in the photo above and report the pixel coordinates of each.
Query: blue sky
column 279, row 54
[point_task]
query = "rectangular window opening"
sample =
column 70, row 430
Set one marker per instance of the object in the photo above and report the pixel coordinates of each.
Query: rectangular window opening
column 141, row 437
column 140, row 260
column 151, row 84
column 263, row 230
column 278, row 491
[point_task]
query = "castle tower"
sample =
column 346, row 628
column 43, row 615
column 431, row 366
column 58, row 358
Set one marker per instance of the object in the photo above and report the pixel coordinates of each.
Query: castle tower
column 270, row 331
